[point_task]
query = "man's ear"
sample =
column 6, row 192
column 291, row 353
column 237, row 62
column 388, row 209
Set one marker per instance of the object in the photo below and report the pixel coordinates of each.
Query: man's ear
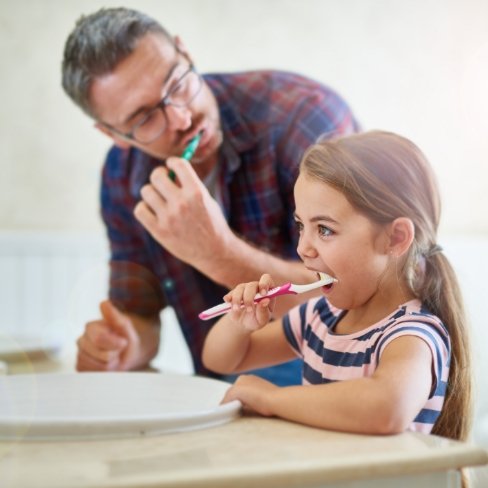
column 118, row 141
column 182, row 48
column 401, row 234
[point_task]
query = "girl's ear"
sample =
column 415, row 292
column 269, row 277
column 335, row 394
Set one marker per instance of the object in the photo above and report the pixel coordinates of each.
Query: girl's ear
column 118, row 141
column 401, row 235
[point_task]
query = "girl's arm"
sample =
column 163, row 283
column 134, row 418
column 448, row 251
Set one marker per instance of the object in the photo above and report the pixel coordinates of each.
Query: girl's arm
column 385, row 403
column 229, row 348
column 243, row 339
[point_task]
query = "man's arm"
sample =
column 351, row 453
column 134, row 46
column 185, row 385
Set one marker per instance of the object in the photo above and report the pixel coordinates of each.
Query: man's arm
column 185, row 219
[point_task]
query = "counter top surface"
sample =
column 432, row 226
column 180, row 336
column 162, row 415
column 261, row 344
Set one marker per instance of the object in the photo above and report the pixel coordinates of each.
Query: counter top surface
column 265, row 452
column 277, row 452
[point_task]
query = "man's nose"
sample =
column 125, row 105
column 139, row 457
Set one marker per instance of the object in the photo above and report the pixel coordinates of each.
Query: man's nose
column 179, row 118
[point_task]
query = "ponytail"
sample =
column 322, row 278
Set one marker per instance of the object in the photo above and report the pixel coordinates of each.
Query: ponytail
column 441, row 295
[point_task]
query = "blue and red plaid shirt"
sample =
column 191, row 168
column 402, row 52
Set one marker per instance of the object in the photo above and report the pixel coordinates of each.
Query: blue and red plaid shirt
column 268, row 119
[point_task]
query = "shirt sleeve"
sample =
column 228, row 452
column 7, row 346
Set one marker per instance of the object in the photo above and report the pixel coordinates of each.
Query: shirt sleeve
column 434, row 335
column 133, row 287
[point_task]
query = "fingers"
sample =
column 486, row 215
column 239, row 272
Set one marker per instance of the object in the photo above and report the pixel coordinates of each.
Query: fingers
column 245, row 310
column 167, row 187
column 236, row 391
column 185, row 174
column 119, row 322
column 144, row 214
column 110, row 313
column 99, row 349
column 265, row 284
column 154, row 198
column 152, row 210
column 154, row 201
column 229, row 395
column 242, row 296
column 161, row 181
column 103, row 343
column 85, row 362
column 245, row 294
column 253, row 392
column 103, row 338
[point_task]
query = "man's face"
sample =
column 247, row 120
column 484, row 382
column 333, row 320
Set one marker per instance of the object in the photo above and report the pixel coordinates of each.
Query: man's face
column 123, row 98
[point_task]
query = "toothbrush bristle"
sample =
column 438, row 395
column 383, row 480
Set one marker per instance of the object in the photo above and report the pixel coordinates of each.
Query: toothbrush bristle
column 325, row 276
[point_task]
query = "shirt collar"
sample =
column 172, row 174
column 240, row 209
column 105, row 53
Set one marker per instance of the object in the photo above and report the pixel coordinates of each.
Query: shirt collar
column 237, row 136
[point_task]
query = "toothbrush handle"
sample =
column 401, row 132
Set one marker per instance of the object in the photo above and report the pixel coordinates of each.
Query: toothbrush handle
column 225, row 307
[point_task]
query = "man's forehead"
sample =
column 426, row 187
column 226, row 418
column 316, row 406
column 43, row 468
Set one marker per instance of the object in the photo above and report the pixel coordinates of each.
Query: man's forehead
column 147, row 68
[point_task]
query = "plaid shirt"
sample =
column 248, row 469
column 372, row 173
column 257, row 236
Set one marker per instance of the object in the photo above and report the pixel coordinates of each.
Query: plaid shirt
column 268, row 120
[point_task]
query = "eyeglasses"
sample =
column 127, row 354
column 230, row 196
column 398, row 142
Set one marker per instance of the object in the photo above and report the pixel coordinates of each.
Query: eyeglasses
column 155, row 122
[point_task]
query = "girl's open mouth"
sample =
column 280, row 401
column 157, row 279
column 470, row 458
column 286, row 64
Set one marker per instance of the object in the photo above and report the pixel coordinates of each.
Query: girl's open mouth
column 329, row 285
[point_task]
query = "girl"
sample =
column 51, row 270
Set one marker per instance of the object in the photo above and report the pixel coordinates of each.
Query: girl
column 385, row 348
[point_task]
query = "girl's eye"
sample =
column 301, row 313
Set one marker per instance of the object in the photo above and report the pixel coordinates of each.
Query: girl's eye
column 325, row 231
column 299, row 225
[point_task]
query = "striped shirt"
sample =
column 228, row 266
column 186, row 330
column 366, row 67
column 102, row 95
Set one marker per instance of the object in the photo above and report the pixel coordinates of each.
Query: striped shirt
column 330, row 357
column 268, row 119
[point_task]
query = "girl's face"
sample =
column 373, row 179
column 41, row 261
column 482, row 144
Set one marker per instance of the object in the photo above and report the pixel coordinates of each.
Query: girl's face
column 338, row 240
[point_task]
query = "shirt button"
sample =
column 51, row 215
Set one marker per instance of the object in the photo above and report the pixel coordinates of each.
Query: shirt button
column 169, row 284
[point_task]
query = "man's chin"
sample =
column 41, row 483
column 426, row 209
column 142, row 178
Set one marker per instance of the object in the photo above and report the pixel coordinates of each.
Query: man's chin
column 209, row 151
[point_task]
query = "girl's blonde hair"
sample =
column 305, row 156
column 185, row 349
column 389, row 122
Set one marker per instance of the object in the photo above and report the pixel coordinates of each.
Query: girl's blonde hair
column 385, row 176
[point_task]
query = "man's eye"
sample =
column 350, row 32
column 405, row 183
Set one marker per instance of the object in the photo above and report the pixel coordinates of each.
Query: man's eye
column 177, row 87
column 148, row 118
column 140, row 119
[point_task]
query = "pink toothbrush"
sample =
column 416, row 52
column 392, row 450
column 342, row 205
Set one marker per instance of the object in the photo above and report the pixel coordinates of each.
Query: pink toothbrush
column 286, row 289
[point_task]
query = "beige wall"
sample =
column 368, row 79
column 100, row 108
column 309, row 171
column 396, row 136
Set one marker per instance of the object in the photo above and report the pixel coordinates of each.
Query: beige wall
column 418, row 67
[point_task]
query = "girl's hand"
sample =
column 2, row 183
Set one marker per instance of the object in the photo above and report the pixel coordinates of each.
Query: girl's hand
column 252, row 316
column 253, row 392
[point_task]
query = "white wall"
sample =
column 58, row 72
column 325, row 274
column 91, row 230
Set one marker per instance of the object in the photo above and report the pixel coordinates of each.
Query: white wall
column 418, row 67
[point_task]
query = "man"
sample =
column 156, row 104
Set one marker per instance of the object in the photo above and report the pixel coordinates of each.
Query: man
column 225, row 218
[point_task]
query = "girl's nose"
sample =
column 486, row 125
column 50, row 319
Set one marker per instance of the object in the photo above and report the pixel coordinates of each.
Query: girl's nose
column 305, row 249
column 179, row 118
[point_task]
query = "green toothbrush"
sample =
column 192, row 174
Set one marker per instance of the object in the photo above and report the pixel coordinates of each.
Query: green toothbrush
column 188, row 153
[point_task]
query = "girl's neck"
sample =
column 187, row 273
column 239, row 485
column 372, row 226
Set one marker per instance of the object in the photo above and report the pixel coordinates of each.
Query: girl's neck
column 376, row 309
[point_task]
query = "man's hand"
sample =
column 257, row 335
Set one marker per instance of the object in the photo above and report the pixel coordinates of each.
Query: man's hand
column 182, row 216
column 117, row 342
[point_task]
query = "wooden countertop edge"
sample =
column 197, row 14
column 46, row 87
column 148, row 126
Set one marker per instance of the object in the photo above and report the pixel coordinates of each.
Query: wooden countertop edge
column 295, row 475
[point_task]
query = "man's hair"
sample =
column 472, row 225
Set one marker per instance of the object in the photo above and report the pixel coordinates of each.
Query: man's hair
column 97, row 44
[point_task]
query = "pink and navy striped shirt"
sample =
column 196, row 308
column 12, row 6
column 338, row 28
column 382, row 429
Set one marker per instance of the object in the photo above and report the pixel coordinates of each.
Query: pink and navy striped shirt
column 330, row 357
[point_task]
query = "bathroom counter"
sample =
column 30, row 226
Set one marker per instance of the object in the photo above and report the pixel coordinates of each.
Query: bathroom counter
column 250, row 451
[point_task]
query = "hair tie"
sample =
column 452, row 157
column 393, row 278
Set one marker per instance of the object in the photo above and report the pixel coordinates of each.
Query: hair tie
column 435, row 249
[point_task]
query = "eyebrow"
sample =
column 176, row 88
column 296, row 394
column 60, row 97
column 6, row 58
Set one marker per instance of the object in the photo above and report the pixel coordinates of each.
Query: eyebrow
column 146, row 108
column 318, row 218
